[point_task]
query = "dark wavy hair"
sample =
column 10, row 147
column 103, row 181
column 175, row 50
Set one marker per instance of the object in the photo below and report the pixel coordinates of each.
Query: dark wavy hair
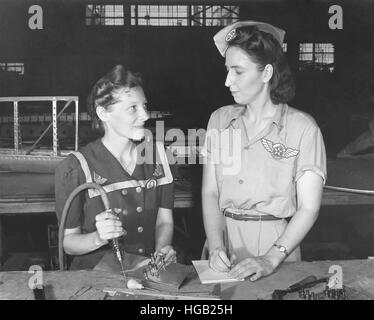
column 105, row 90
column 264, row 49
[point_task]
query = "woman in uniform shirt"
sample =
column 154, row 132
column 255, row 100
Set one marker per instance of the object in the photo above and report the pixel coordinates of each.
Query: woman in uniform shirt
column 140, row 192
column 277, row 154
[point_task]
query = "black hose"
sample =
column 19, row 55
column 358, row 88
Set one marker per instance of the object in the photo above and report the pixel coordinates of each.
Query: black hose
column 90, row 185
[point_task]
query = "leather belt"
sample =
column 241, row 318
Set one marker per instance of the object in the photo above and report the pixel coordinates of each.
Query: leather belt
column 250, row 217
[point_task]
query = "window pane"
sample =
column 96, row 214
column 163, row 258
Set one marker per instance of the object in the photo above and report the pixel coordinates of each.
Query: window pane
column 305, row 47
column 321, row 59
column 214, row 15
column 104, row 15
column 306, row 57
column 160, row 15
column 284, row 47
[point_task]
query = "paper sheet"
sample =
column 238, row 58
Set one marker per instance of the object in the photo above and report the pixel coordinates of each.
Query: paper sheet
column 208, row 275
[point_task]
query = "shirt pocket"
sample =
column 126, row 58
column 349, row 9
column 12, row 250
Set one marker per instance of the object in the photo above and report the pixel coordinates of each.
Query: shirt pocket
column 280, row 174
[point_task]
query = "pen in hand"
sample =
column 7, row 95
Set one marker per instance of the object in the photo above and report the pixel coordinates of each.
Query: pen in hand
column 225, row 260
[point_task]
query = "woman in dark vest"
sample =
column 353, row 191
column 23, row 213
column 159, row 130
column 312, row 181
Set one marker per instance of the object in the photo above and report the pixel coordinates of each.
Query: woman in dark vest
column 140, row 191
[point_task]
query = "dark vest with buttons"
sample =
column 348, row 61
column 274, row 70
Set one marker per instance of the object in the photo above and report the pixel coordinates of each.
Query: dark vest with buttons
column 134, row 198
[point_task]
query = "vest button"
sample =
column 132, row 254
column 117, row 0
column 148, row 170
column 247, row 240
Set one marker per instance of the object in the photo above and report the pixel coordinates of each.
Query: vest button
column 139, row 209
column 124, row 192
column 241, row 181
column 140, row 229
column 140, row 250
column 138, row 189
column 125, row 212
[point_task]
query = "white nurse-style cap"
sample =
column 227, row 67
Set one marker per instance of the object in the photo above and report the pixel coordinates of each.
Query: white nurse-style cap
column 222, row 37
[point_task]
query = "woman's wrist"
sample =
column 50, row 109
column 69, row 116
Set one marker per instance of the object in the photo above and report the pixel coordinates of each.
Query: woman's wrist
column 275, row 257
column 274, row 260
column 160, row 247
column 98, row 242
column 217, row 248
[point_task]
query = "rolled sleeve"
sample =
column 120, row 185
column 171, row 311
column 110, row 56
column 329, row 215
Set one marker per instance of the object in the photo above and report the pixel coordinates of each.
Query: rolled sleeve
column 66, row 180
column 312, row 154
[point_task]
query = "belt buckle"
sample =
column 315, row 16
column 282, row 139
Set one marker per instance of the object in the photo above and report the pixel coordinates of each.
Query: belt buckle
column 232, row 215
column 228, row 214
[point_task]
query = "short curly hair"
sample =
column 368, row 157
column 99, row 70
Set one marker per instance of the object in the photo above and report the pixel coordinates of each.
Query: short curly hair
column 264, row 49
column 105, row 90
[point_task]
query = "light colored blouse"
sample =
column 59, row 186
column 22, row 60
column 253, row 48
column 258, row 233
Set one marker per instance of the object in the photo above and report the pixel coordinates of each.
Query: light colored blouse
column 259, row 175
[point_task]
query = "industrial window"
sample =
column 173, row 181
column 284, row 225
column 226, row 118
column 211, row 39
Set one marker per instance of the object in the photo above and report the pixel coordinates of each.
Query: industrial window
column 183, row 15
column 158, row 15
column 104, row 15
column 17, row 67
column 316, row 56
column 214, row 15
column 284, row 47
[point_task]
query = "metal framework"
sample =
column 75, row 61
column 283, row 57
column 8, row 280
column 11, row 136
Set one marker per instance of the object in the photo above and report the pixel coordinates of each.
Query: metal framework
column 160, row 15
column 55, row 116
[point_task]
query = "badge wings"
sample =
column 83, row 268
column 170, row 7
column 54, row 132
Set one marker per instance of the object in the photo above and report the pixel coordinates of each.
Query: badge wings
column 279, row 150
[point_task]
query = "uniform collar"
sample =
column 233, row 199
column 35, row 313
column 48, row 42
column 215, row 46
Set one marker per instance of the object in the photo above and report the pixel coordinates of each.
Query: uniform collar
column 280, row 116
column 236, row 111
column 104, row 156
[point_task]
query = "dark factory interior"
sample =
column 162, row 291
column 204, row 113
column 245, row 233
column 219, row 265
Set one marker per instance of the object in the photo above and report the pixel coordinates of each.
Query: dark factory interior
column 73, row 45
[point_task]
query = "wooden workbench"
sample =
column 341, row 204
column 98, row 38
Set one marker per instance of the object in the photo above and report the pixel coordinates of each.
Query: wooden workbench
column 62, row 285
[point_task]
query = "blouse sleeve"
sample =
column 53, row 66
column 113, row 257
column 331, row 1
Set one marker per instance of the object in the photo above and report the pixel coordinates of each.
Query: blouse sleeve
column 312, row 154
column 167, row 196
column 210, row 142
column 67, row 178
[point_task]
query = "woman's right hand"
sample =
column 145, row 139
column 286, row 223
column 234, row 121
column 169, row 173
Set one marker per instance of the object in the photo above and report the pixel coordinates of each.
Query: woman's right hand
column 108, row 226
column 219, row 261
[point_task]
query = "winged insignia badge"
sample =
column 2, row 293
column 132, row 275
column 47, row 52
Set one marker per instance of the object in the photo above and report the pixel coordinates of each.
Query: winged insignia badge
column 158, row 171
column 278, row 150
column 98, row 179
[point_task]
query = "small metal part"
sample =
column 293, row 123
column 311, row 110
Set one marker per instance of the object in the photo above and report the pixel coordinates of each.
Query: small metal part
column 326, row 294
column 119, row 256
column 117, row 249
column 155, row 265
column 80, row 292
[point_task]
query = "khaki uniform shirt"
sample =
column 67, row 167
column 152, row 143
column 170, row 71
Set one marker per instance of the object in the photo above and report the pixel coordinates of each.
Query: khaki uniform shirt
column 260, row 174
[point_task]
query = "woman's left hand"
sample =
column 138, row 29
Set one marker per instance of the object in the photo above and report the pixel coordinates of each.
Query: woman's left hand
column 255, row 267
column 168, row 253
